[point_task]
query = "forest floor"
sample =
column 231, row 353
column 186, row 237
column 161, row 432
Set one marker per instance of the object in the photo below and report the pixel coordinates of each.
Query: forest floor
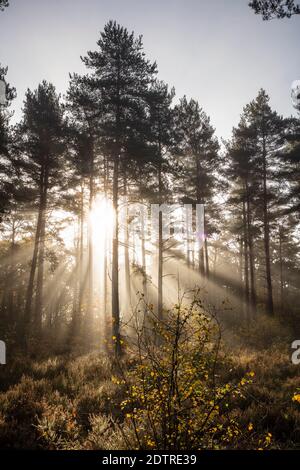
column 73, row 402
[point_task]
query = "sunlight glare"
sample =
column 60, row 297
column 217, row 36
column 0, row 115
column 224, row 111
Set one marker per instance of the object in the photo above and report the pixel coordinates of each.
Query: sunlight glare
column 101, row 220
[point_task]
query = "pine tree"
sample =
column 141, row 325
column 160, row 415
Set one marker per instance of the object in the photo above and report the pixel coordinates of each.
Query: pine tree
column 6, row 189
column 85, row 114
column 121, row 75
column 266, row 128
column 198, row 147
column 270, row 9
column 242, row 172
column 290, row 168
column 160, row 137
column 43, row 147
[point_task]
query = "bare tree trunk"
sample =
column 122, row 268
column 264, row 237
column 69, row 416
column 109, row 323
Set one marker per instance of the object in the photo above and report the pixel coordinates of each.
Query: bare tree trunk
column 107, row 330
column 77, row 278
column 199, row 200
column 201, row 261
column 76, row 271
column 251, row 255
column 115, row 261
column 160, row 248
column 90, row 292
column 241, row 255
column 246, row 262
column 206, row 258
column 206, row 247
column 126, row 243
column 106, row 334
column 269, row 302
column 40, row 275
column 144, row 267
column 188, row 241
column 81, row 243
column 30, row 287
column 12, row 312
column 281, row 272
column 40, row 281
column 215, row 260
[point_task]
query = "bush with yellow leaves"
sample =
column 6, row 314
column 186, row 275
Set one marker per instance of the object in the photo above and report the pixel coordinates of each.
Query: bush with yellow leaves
column 175, row 397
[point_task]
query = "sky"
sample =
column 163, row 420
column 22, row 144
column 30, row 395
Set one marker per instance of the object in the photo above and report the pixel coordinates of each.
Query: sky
column 215, row 51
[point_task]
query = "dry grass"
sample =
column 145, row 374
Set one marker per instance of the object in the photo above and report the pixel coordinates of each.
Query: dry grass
column 68, row 402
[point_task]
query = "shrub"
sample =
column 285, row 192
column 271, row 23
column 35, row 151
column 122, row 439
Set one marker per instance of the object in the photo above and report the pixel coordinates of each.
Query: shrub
column 57, row 427
column 175, row 399
column 20, row 409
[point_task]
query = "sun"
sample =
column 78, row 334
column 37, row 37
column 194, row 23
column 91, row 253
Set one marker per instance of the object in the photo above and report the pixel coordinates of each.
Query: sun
column 101, row 218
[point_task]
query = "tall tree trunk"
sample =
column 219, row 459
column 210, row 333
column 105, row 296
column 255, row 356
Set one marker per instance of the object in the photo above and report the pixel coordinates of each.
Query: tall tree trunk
column 269, row 302
column 115, row 303
column 81, row 244
column 241, row 255
column 241, row 269
column 251, row 255
column 206, row 258
column 38, row 314
column 160, row 247
column 246, row 261
column 126, row 243
column 105, row 319
column 199, row 201
column 215, row 260
column 41, row 255
column 188, row 235
column 106, row 329
column 144, row 267
column 90, row 293
column 281, row 271
column 30, row 287
column 115, row 261
column 205, row 246
column 12, row 312
column 76, row 280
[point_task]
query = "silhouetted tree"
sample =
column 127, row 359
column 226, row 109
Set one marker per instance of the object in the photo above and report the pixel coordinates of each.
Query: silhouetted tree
column 3, row 4
column 6, row 169
column 42, row 132
column 270, row 9
column 121, row 75
column 199, row 147
column 85, row 110
column 266, row 125
column 160, row 136
column 244, row 176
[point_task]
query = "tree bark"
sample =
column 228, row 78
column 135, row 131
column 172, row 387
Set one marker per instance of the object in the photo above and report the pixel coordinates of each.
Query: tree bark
column 281, row 272
column 115, row 261
column 269, row 301
column 30, row 287
column 81, row 244
column 126, row 243
column 160, row 247
column 90, row 293
column 40, row 275
column 246, row 261
column 251, row 254
column 206, row 249
column 199, row 201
